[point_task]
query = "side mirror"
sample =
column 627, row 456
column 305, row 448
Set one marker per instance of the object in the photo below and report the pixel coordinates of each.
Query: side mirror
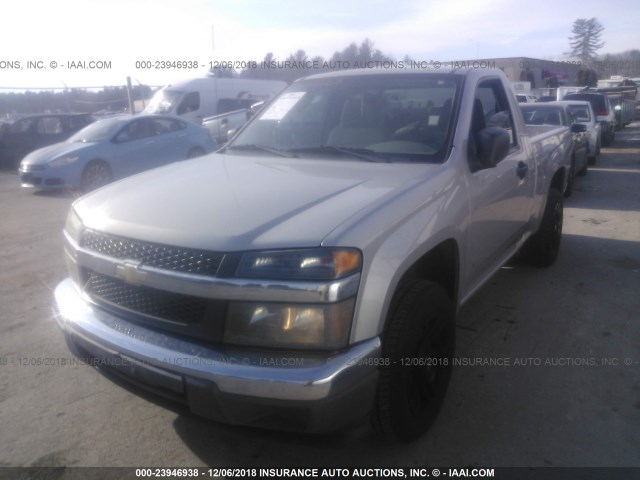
column 578, row 128
column 493, row 145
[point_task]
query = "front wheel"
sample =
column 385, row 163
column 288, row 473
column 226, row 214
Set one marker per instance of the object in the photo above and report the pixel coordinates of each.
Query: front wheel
column 541, row 249
column 95, row 175
column 417, row 353
column 195, row 152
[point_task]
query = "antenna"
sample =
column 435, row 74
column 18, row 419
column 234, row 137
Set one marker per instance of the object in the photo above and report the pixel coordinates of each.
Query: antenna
column 213, row 45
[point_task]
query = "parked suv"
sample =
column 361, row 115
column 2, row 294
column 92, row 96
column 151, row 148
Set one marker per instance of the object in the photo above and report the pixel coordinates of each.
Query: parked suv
column 604, row 113
column 36, row 131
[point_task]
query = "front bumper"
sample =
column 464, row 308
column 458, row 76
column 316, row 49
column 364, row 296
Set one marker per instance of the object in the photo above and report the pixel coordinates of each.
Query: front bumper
column 40, row 179
column 309, row 392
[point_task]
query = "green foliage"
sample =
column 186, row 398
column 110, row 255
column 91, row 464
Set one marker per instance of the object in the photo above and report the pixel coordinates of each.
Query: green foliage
column 587, row 78
column 551, row 82
column 353, row 56
column 527, row 76
column 626, row 64
column 584, row 43
column 585, row 40
column 70, row 100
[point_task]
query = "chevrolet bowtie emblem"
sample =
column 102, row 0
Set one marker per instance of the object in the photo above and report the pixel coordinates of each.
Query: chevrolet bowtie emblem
column 130, row 272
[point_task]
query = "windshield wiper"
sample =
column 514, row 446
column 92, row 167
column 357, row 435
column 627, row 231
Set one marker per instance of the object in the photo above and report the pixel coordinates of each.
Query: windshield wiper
column 261, row 148
column 361, row 153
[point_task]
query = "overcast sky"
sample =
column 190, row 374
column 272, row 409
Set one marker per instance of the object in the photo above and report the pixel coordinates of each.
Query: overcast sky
column 125, row 31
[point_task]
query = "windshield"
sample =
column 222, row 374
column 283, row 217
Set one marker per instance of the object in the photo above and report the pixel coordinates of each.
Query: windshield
column 597, row 101
column 100, row 131
column 383, row 117
column 541, row 115
column 164, row 101
column 581, row 113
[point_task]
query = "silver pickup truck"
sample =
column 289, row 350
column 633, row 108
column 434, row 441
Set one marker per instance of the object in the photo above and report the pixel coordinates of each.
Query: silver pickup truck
column 220, row 126
column 309, row 274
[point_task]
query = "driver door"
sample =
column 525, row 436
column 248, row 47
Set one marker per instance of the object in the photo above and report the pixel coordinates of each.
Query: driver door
column 501, row 195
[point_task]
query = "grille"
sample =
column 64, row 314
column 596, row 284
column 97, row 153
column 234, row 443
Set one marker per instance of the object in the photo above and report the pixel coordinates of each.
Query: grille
column 28, row 178
column 144, row 300
column 155, row 255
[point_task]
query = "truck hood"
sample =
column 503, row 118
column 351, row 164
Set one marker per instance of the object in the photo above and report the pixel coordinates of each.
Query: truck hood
column 231, row 203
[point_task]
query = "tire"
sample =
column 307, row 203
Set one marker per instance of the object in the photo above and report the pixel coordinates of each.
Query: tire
column 541, row 249
column 608, row 140
column 95, row 175
column 592, row 160
column 585, row 168
column 195, row 152
column 570, row 181
column 421, row 329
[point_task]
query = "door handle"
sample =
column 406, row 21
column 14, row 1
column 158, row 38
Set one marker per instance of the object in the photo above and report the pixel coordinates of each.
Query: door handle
column 522, row 169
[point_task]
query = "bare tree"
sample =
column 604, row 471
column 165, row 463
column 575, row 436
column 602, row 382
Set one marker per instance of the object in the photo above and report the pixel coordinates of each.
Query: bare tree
column 586, row 39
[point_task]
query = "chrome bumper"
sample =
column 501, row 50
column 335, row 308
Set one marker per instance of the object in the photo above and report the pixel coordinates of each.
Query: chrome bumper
column 309, row 392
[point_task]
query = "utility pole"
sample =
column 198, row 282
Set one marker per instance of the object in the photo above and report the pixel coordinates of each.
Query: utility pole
column 66, row 96
column 132, row 109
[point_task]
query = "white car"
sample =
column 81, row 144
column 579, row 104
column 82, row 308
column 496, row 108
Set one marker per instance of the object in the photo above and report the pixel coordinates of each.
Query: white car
column 526, row 98
column 584, row 114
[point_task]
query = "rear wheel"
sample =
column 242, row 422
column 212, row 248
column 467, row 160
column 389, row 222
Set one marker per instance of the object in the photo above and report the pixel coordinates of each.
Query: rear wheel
column 418, row 348
column 585, row 168
column 593, row 159
column 541, row 249
column 572, row 174
column 609, row 138
column 95, row 175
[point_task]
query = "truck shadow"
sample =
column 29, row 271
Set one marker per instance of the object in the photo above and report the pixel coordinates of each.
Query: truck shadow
column 224, row 446
column 489, row 407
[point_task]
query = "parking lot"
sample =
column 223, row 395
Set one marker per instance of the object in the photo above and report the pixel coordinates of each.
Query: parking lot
column 548, row 360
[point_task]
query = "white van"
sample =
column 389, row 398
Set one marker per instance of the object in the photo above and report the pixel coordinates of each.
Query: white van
column 204, row 97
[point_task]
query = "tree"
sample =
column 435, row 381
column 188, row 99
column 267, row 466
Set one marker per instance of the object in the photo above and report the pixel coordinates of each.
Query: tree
column 358, row 56
column 626, row 64
column 586, row 39
column 551, row 82
column 587, row 78
column 527, row 76
column 299, row 56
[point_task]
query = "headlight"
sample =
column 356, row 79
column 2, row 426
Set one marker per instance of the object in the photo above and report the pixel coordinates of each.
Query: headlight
column 319, row 326
column 308, row 264
column 73, row 226
column 59, row 162
column 294, row 325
